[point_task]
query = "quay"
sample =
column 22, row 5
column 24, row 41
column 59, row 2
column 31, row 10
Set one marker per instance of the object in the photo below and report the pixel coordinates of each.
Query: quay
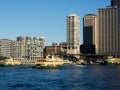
column 94, row 59
column 80, row 59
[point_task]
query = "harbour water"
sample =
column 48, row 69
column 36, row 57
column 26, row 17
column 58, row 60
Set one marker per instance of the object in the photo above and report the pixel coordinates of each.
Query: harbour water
column 69, row 78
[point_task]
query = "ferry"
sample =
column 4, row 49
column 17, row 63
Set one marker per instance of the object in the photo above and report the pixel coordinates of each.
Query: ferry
column 112, row 60
column 81, row 62
column 51, row 63
column 12, row 62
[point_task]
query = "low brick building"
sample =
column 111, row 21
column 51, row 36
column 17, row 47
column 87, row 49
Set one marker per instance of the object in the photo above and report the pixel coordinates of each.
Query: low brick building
column 55, row 49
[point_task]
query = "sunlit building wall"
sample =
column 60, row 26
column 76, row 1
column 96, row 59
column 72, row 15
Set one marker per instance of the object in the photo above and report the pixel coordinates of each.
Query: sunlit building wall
column 73, row 34
column 108, row 31
column 10, row 48
column 32, row 47
column 89, row 28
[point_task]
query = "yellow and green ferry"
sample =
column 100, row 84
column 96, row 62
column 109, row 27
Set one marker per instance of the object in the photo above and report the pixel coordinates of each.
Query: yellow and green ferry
column 12, row 62
column 51, row 63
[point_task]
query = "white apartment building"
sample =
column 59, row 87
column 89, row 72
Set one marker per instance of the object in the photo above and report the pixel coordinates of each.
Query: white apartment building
column 32, row 47
column 10, row 48
column 73, row 34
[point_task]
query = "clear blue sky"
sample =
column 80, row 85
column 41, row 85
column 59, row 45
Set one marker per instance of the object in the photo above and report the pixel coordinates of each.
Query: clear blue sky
column 45, row 18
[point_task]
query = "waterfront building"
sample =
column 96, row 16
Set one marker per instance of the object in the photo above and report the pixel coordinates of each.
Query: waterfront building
column 32, row 47
column 5, row 47
column 63, row 46
column 53, row 50
column 56, row 49
column 10, row 48
column 16, row 49
column 115, row 3
column 108, row 33
column 73, row 34
column 89, row 28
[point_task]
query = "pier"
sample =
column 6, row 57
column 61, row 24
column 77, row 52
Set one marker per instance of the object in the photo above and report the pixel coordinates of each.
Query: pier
column 90, row 59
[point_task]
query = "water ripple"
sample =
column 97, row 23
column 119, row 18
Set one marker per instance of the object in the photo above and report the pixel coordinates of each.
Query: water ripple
column 75, row 78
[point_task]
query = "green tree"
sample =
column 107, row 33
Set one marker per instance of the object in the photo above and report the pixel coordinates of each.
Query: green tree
column 2, row 58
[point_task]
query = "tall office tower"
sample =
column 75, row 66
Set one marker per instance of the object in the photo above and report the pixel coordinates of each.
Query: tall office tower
column 108, row 31
column 89, row 27
column 115, row 3
column 73, row 34
column 10, row 48
column 32, row 47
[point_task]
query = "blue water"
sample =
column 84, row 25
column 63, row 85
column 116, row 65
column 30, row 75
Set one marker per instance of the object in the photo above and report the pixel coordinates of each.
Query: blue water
column 71, row 78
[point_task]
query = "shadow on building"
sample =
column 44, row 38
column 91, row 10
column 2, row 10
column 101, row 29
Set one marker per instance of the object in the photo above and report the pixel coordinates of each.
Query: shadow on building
column 87, row 49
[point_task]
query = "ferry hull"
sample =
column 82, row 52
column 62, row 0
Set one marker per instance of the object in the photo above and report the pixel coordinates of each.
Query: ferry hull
column 10, row 65
column 53, row 67
column 48, row 67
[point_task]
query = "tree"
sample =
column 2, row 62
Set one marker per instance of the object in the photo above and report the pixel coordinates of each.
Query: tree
column 2, row 58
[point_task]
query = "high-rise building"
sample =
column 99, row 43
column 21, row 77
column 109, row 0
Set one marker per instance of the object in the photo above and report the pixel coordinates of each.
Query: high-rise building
column 108, row 33
column 10, row 48
column 89, row 28
column 73, row 34
column 32, row 47
column 115, row 3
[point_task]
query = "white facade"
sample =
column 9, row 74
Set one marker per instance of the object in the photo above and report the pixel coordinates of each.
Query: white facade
column 73, row 34
column 10, row 48
column 32, row 47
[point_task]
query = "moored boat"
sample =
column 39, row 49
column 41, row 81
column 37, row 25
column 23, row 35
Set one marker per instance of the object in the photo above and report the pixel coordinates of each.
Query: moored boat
column 113, row 61
column 51, row 63
column 12, row 62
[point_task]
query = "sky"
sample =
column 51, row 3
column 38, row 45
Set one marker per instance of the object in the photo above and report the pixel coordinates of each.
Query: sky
column 43, row 18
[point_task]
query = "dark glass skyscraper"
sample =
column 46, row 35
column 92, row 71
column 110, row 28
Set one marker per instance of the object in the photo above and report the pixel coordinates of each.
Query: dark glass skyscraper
column 115, row 3
column 89, row 27
column 89, row 23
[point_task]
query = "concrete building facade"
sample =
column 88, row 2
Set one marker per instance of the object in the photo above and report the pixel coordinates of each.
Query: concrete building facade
column 16, row 49
column 73, row 34
column 108, row 33
column 10, row 48
column 32, row 47
column 55, row 49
